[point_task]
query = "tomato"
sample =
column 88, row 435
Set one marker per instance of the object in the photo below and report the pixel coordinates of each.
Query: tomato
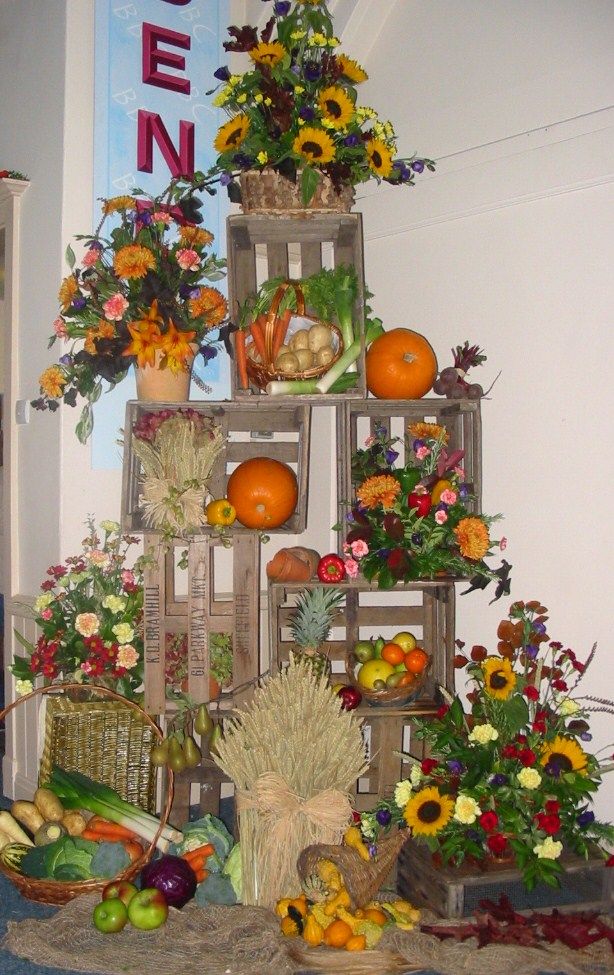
column 393, row 654
column 220, row 512
column 416, row 660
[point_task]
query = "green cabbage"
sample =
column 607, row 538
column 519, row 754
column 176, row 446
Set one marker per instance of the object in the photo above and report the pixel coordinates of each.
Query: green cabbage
column 207, row 829
column 232, row 869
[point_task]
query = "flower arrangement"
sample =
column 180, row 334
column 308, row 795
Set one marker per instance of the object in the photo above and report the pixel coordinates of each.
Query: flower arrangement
column 137, row 298
column 11, row 174
column 511, row 777
column 412, row 522
column 90, row 616
column 296, row 109
column 177, row 449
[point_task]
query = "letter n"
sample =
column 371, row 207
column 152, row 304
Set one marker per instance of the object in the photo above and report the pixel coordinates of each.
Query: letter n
column 150, row 128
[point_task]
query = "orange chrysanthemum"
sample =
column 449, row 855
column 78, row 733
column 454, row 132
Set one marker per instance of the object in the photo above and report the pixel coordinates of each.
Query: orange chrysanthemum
column 67, row 292
column 118, row 203
column 428, row 431
column 133, row 261
column 195, row 236
column 52, row 382
column 380, row 489
column 473, row 538
column 104, row 330
column 209, row 304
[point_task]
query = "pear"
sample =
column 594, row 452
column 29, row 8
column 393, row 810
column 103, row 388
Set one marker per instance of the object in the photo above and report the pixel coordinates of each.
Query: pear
column 191, row 752
column 216, row 737
column 176, row 758
column 203, row 723
column 159, row 753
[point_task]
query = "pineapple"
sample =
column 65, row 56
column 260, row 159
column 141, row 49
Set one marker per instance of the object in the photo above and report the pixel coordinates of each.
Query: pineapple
column 310, row 625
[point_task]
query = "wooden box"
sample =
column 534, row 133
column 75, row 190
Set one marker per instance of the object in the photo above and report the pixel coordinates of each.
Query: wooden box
column 456, row 892
column 358, row 420
column 261, row 247
column 201, row 611
column 258, row 429
column 426, row 608
column 387, row 731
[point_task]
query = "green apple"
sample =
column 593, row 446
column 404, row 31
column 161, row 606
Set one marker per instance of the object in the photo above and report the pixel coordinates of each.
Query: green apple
column 119, row 888
column 363, row 651
column 110, row 916
column 147, row 909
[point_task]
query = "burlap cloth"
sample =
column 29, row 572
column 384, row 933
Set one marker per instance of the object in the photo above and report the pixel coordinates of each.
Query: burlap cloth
column 246, row 941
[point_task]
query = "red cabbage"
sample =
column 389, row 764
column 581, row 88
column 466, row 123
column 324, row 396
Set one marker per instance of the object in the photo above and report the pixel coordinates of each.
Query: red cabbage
column 173, row 876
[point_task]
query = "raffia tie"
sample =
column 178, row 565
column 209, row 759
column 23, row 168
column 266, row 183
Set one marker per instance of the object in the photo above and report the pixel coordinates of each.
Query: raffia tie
column 328, row 813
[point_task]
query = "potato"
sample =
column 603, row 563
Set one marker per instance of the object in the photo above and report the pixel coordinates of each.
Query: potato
column 27, row 814
column 300, row 340
column 48, row 805
column 287, row 363
column 319, row 336
column 74, row 822
column 325, row 355
column 305, row 358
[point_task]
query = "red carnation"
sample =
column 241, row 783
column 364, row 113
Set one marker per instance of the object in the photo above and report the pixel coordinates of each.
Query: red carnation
column 527, row 756
column 489, row 821
column 509, row 751
column 531, row 693
column 496, row 844
column 442, row 711
column 610, row 861
column 552, row 806
column 428, row 765
column 549, row 824
column 559, row 685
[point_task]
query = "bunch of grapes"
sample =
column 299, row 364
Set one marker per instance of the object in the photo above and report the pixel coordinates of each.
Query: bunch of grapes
column 451, row 381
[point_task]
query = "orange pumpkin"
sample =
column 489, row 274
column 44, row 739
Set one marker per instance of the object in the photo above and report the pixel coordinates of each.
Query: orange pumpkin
column 400, row 364
column 263, row 492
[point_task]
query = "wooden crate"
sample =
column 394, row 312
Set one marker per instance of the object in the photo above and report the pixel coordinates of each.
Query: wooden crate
column 355, row 421
column 457, row 892
column 200, row 612
column 426, row 608
column 387, row 732
column 261, row 247
column 258, row 429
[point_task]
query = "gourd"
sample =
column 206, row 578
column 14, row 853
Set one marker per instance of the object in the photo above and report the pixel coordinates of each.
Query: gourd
column 353, row 838
column 313, row 932
column 400, row 364
column 263, row 492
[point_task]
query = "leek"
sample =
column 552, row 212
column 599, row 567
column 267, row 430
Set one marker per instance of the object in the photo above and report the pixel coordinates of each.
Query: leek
column 78, row 791
column 333, row 294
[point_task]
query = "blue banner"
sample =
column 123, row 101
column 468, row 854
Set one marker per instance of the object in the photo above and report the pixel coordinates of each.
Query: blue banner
column 154, row 62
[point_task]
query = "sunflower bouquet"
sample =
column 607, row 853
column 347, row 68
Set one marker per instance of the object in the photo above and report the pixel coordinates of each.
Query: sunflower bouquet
column 137, row 298
column 412, row 521
column 510, row 778
column 296, row 110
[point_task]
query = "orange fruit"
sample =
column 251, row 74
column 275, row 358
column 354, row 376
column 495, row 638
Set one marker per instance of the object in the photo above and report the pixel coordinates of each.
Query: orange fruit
column 416, row 660
column 374, row 914
column 406, row 679
column 357, row 942
column 393, row 654
column 337, row 934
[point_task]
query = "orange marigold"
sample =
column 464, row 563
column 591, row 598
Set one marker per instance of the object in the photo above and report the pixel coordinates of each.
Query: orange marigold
column 195, row 235
column 209, row 304
column 428, row 431
column 52, row 382
column 118, row 203
column 67, row 292
column 473, row 538
column 379, row 489
column 133, row 261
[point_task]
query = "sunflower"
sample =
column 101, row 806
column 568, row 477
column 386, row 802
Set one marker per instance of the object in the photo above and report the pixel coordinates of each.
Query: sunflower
column 473, row 538
column 52, row 382
column 351, row 69
column 195, row 236
column 428, row 431
column 209, row 304
column 499, row 678
column 336, row 107
column 380, row 158
column 314, row 145
column 232, row 133
column 379, row 489
column 133, row 261
column 268, row 54
column 118, row 204
column 564, row 754
column 68, row 290
column 427, row 812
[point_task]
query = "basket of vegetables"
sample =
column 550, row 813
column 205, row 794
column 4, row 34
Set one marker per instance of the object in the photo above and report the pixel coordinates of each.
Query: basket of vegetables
column 291, row 344
column 76, row 835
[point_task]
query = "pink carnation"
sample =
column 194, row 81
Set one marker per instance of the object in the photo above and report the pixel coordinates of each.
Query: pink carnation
column 127, row 656
column 59, row 327
column 351, row 567
column 359, row 548
column 441, row 517
column 161, row 217
column 87, row 624
column 127, row 577
column 91, row 256
column 460, row 472
column 188, row 260
column 423, row 452
column 114, row 307
column 448, row 496
column 370, row 441
column 46, row 614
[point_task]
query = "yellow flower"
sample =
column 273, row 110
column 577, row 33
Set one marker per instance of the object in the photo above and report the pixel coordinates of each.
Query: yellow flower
column 259, row 98
column 428, row 431
column 363, row 112
column 565, row 755
column 333, row 42
column 52, row 382
column 529, row 778
column 335, row 106
column 482, row 734
column 241, row 99
column 499, row 678
column 473, row 538
column 118, row 203
column 195, row 236
column 315, row 145
column 209, row 304
column 298, row 35
column 145, row 333
column 317, row 40
column 351, row 69
column 548, row 850
column 176, row 345
column 466, row 809
column 123, row 632
column 268, row 54
column 232, row 133
column 67, row 292
column 133, row 261
column 379, row 157
column 427, row 812
column 379, row 489
column 402, row 793
column 221, row 98
column 262, row 157
column 298, row 89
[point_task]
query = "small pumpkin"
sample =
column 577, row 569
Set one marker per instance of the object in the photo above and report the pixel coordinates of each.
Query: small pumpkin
column 263, row 492
column 400, row 364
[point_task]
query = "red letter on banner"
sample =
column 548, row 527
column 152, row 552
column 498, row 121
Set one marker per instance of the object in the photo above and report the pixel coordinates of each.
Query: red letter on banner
column 153, row 56
column 150, row 127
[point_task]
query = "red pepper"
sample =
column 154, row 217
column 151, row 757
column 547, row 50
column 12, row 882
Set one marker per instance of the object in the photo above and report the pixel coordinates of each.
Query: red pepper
column 331, row 568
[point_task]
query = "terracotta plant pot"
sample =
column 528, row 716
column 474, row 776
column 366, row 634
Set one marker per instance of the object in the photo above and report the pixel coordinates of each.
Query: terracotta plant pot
column 295, row 564
column 155, row 385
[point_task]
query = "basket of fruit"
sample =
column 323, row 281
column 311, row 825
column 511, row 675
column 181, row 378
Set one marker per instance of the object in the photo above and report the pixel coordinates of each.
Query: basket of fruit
column 78, row 835
column 290, row 345
column 388, row 674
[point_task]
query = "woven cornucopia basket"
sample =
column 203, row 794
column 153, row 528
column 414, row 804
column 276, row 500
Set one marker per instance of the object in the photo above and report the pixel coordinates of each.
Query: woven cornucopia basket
column 391, row 697
column 61, row 892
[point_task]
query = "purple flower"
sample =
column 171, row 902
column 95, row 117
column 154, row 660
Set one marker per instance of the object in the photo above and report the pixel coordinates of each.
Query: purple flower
column 79, row 303
column 391, row 455
column 455, row 766
column 472, row 834
column 417, row 166
column 417, row 444
column 383, row 553
column 144, row 218
column 222, row 74
column 539, row 627
column 307, row 113
column 372, row 850
column 187, row 291
column 383, row 816
column 442, row 506
column 463, row 490
column 586, row 736
column 65, row 360
column 531, row 651
column 312, row 71
column 586, row 818
column 499, row 779
column 553, row 769
column 225, row 179
column 416, row 538
column 282, row 7
column 242, row 160
column 209, row 352
column 351, row 140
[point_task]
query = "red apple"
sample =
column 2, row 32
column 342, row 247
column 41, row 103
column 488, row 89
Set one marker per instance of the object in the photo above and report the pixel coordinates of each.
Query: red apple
column 421, row 502
column 147, row 909
column 120, row 888
column 350, row 697
column 110, row 916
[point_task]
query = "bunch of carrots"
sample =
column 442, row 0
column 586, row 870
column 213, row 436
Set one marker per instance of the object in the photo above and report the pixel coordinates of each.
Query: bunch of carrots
column 197, row 859
column 103, row 830
column 256, row 330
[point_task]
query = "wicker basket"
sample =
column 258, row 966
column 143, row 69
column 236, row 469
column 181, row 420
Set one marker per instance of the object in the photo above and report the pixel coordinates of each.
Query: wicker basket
column 265, row 372
column 268, row 192
column 61, row 892
column 361, row 878
column 392, row 697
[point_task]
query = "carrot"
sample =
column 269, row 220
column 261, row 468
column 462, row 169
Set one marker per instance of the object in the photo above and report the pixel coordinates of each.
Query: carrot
column 102, row 825
column 201, row 875
column 199, row 852
column 90, row 834
column 281, row 327
column 255, row 330
column 241, row 357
